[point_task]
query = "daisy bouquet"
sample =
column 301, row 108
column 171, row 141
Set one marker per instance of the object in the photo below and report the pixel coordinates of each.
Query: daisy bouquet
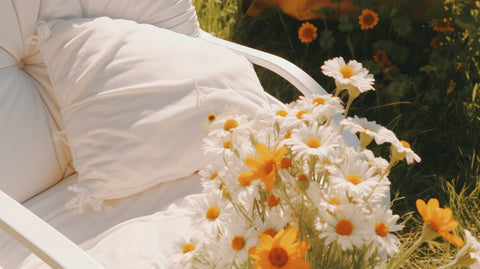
column 294, row 187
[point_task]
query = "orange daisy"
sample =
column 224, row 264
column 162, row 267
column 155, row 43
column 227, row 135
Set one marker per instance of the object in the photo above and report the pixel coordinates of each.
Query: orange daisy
column 381, row 58
column 368, row 19
column 439, row 220
column 307, row 32
column 264, row 167
column 280, row 252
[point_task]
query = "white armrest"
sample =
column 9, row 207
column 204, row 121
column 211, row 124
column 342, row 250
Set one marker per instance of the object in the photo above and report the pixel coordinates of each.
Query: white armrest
column 40, row 238
column 292, row 73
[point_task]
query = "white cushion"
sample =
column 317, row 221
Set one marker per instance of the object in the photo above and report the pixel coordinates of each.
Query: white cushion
column 133, row 97
column 31, row 159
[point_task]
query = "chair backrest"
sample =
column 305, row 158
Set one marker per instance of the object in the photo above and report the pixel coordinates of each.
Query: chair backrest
column 33, row 152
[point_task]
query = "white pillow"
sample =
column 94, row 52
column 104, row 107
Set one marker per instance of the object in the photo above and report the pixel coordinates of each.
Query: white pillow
column 133, row 97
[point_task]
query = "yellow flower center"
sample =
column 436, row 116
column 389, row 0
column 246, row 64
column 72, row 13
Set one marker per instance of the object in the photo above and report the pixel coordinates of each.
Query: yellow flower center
column 347, row 71
column 273, row 200
column 188, row 247
column 319, row 101
column 211, row 117
column 287, row 135
column 344, row 227
column 302, row 177
column 227, row 144
column 278, row 257
column 354, row 179
column 230, row 124
column 405, row 144
column 313, row 142
column 213, row 212
column 238, row 243
column 270, row 231
column 212, row 177
column 381, row 229
column 281, row 113
column 301, row 113
column 334, row 201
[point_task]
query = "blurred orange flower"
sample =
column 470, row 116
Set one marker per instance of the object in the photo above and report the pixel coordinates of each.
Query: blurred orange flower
column 381, row 58
column 368, row 19
column 307, row 32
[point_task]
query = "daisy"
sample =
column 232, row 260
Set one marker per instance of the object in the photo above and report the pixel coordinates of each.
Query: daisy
column 280, row 252
column 276, row 219
column 356, row 177
column 241, row 189
column 184, row 251
column 209, row 178
column 438, row 221
column 211, row 212
column 368, row 19
column 348, row 227
column 368, row 130
column 383, row 223
column 240, row 236
column 468, row 255
column 322, row 107
column 327, row 199
column 402, row 150
column 351, row 76
column 307, row 32
column 314, row 141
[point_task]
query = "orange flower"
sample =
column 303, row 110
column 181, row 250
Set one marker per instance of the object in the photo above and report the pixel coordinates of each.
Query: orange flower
column 368, row 19
column 443, row 25
column 280, row 252
column 307, row 32
column 265, row 166
column 381, row 58
column 439, row 220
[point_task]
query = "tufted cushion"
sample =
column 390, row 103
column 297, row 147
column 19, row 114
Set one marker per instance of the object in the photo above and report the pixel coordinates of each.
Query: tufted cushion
column 33, row 151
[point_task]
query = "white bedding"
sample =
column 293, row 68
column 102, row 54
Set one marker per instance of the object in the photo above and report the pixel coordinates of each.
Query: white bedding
column 86, row 228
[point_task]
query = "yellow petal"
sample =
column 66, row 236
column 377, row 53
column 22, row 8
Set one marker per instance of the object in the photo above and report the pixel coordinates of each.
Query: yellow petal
column 298, row 249
column 453, row 239
column 297, row 264
column 448, row 227
column 421, row 207
column 254, row 163
column 263, row 152
column 266, row 241
column 289, row 237
column 270, row 180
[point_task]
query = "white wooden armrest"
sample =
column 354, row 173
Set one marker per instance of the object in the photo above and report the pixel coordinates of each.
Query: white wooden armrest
column 40, row 238
column 292, row 73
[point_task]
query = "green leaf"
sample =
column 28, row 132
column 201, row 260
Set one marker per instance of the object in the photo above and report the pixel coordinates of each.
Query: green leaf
column 402, row 25
column 344, row 23
column 326, row 39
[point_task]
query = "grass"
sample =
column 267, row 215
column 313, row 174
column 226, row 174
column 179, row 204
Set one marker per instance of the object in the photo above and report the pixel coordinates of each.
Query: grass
column 443, row 125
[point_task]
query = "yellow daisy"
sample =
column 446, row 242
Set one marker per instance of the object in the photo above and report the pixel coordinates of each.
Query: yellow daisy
column 439, row 220
column 265, row 166
column 280, row 252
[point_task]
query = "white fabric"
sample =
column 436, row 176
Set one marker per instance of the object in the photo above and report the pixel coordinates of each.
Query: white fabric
column 86, row 228
column 31, row 159
column 133, row 98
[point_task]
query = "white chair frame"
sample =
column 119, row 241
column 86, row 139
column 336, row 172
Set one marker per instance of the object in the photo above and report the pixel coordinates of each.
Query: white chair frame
column 57, row 250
